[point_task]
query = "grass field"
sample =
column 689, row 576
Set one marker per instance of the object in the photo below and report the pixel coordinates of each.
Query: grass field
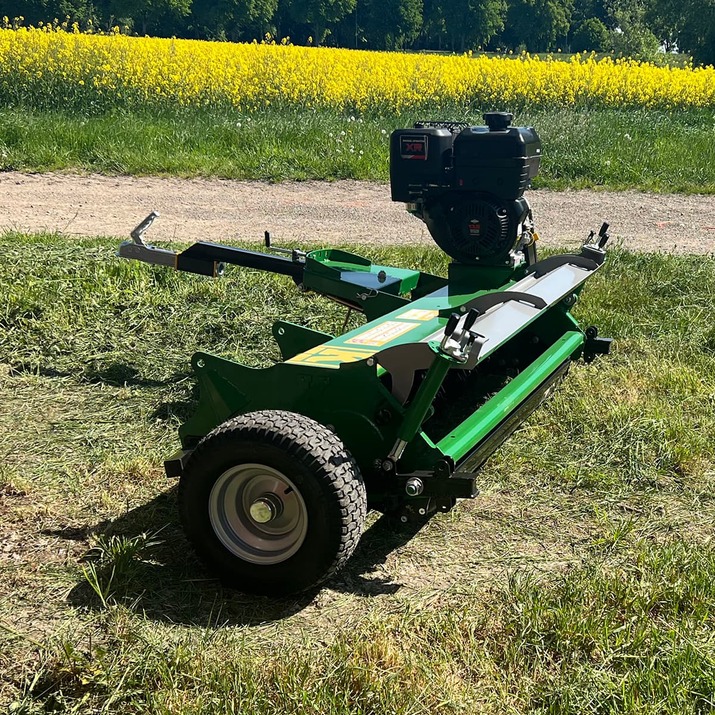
column 129, row 105
column 649, row 150
column 582, row 580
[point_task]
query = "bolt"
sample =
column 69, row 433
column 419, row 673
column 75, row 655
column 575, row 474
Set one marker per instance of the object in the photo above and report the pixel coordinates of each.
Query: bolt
column 403, row 519
column 383, row 416
column 422, row 511
column 200, row 363
column 387, row 465
column 370, row 361
column 414, row 487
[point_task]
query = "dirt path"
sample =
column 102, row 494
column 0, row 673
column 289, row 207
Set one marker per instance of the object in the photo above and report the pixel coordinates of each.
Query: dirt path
column 316, row 213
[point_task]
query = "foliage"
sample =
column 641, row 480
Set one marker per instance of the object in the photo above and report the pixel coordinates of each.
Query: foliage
column 472, row 23
column 688, row 25
column 541, row 25
column 586, row 9
column 390, row 24
column 632, row 37
column 591, row 36
column 56, row 69
column 146, row 15
column 233, row 19
column 320, row 14
column 640, row 26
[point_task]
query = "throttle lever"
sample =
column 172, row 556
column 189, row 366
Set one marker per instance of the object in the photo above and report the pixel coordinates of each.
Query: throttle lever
column 472, row 315
column 452, row 323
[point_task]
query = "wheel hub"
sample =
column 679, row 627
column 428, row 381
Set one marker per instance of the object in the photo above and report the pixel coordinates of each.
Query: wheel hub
column 258, row 514
column 266, row 508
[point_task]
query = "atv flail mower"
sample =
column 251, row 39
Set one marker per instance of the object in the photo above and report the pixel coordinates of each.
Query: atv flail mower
column 279, row 465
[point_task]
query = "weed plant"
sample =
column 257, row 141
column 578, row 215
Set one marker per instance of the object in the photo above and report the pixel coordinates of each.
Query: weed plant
column 580, row 581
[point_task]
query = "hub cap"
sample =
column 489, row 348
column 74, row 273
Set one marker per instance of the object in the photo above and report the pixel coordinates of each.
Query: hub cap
column 258, row 514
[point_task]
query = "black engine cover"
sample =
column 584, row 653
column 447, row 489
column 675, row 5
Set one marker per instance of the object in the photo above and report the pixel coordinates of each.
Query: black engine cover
column 475, row 228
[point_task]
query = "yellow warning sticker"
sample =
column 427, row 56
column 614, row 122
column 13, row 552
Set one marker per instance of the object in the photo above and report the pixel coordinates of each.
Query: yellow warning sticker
column 417, row 314
column 330, row 356
column 383, row 333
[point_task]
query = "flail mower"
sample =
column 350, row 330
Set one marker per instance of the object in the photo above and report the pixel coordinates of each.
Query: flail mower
column 279, row 465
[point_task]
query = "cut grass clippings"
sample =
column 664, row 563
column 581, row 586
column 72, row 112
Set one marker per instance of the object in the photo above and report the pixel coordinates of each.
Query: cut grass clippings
column 580, row 581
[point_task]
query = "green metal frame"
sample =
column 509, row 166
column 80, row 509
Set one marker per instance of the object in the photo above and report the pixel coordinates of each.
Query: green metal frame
column 338, row 381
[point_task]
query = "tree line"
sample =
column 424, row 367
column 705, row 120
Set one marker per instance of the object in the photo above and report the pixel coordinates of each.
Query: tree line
column 638, row 28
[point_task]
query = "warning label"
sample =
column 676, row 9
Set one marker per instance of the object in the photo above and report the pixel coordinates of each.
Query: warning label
column 382, row 334
column 417, row 314
column 330, row 356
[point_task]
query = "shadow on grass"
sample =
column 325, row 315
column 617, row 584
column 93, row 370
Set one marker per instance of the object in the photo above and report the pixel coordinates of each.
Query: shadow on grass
column 167, row 583
column 115, row 374
column 122, row 375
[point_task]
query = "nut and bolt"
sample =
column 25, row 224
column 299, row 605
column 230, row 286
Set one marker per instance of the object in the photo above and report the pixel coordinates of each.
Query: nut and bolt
column 414, row 486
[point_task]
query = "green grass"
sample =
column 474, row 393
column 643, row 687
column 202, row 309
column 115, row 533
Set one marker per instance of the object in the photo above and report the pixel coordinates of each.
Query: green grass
column 648, row 150
column 582, row 580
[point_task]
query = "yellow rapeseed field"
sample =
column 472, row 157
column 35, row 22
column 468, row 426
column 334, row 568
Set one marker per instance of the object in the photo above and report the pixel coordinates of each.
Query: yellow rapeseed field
column 56, row 68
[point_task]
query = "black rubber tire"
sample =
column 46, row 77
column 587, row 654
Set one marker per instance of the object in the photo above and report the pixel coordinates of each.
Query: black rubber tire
column 323, row 472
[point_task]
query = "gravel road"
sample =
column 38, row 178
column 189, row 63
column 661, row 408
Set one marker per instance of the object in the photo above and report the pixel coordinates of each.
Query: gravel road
column 318, row 213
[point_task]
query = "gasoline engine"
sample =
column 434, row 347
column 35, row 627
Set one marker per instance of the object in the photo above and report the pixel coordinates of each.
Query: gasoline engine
column 467, row 184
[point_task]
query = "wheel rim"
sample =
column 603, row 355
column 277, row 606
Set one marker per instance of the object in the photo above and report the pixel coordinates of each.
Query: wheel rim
column 258, row 514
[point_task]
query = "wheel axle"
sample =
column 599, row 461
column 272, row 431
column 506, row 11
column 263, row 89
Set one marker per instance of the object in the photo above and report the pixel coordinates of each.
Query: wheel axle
column 266, row 508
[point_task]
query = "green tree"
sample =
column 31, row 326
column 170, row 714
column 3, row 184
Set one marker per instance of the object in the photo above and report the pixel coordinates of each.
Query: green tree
column 36, row 11
column 433, row 27
column 390, row 24
column 233, row 19
column 688, row 25
column 697, row 35
column 591, row 35
column 472, row 23
column 586, row 9
column 145, row 16
column 632, row 37
column 319, row 15
column 538, row 25
column 666, row 19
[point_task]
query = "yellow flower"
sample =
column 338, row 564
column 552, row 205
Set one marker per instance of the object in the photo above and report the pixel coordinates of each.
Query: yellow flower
column 118, row 70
